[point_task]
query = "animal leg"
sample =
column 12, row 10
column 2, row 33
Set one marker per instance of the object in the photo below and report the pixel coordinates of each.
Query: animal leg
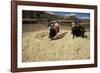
column 73, row 36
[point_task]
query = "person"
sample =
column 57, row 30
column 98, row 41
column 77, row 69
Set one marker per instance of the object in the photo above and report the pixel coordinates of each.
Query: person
column 73, row 24
column 56, row 27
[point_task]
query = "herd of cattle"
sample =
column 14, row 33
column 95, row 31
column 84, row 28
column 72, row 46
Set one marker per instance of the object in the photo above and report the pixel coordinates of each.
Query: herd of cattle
column 77, row 30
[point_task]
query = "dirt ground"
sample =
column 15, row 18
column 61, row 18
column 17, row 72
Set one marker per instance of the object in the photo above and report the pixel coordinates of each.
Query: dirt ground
column 38, row 47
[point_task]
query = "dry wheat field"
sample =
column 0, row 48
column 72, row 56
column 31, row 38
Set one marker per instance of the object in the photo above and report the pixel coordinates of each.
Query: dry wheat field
column 38, row 47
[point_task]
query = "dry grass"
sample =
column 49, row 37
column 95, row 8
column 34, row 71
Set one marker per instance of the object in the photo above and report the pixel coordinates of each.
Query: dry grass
column 38, row 47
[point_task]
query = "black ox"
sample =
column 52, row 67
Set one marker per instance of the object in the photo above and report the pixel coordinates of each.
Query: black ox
column 52, row 32
column 78, row 31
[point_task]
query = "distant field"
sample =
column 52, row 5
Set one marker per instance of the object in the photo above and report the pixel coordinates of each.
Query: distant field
column 38, row 47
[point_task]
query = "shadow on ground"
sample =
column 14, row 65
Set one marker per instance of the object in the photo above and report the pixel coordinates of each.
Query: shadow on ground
column 60, row 36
